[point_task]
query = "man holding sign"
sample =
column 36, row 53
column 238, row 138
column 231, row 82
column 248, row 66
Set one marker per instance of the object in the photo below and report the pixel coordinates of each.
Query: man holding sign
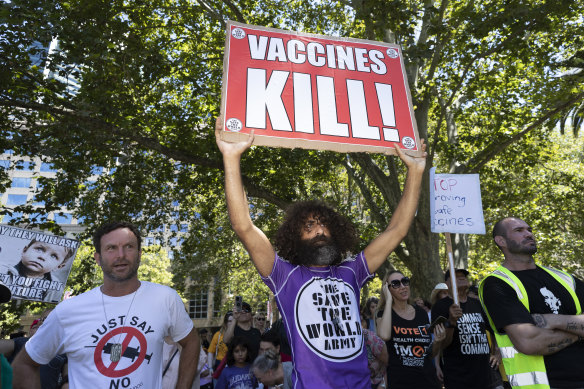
column 316, row 290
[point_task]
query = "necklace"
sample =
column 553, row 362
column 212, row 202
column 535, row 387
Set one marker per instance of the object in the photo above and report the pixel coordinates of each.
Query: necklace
column 116, row 349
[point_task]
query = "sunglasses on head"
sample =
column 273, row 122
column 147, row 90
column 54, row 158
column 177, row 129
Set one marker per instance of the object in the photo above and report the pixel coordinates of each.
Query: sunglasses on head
column 395, row 284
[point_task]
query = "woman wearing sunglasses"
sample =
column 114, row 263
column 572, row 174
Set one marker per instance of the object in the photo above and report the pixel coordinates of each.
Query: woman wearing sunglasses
column 403, row 327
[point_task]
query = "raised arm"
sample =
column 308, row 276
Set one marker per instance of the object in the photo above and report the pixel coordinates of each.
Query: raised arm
column 378, row 250
column 533, row 340
column 255, row 241
column 189, row 357
column 383, row 324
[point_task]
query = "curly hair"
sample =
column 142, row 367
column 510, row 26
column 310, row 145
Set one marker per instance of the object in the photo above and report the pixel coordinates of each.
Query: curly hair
column 238, row 341
column 287, row 237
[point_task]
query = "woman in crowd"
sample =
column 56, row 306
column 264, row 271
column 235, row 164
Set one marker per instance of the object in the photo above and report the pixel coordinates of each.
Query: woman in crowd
column 440, row 291
column 217, row 349
column 269, row 371
column 237, row 374
column 403, row 327
column 369, row 312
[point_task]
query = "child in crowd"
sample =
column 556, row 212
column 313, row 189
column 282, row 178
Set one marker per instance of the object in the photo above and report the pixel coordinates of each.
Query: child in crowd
column 237, row 374
column 39, row 259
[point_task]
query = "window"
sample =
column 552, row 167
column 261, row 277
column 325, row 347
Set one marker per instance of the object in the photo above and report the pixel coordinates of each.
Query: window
column 47, row 168
column 21, row 182
column 198, row 305
column 4, row 163
column 16, row 199
column 25, row 165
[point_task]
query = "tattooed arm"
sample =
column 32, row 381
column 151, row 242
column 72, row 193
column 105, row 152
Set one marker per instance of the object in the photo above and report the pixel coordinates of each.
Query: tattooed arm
column 574, row 324
column 535, row 340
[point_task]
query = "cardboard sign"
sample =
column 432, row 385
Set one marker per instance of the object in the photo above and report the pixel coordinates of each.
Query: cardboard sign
column 455, row 203
column 316, row 92
column 34, row 265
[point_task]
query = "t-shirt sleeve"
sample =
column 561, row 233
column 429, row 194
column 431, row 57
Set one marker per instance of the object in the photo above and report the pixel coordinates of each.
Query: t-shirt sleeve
column 180, row 324
column 502, row 304
column 222, row 381
column 280, row 272
column 376, row 345
column 47, row 341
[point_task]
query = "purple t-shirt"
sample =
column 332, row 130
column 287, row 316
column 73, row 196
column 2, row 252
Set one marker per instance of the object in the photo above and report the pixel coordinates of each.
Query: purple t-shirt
column 320, row 307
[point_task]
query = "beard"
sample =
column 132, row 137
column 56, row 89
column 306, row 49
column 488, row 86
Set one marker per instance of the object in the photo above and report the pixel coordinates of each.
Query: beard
column 318, row 251
column 522, row 248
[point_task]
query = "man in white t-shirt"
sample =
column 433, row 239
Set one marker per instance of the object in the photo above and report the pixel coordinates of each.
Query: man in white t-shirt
column 113, row 334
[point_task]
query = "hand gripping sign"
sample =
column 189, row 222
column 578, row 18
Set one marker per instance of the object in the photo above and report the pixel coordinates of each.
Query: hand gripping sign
column 317, row 92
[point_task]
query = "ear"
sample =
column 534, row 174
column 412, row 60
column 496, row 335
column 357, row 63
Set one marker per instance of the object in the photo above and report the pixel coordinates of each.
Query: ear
column 500, row 241
column 97, row 258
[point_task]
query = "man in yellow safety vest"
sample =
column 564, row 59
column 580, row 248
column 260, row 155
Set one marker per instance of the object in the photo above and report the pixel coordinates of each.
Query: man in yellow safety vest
column 535, row 312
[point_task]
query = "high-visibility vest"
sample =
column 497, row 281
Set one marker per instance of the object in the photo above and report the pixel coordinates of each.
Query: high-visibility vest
column 525, row 371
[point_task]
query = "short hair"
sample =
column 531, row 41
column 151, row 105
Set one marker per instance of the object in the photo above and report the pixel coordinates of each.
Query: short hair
column 69, row 251
column 237, row 341
column 272, row 337
column 109, row 227
column 265, row 362
column 499, row 228
column 287, row 237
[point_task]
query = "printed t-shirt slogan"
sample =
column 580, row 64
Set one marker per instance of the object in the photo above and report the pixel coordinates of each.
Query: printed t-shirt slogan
column 312, row 91
column 326, row 321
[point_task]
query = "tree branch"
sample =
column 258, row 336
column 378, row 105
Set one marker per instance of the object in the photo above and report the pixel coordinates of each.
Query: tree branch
column 491, row 151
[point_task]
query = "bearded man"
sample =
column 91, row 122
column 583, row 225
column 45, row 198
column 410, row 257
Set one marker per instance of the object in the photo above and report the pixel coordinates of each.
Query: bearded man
column 315, row 284
column 535, row 312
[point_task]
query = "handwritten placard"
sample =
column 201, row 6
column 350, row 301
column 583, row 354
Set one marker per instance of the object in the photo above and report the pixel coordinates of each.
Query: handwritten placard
column 455, row 203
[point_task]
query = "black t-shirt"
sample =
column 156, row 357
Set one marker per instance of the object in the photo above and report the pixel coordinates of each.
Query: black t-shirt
column 51, row 372
column 409, row 364
column 466, row 359
column 546, row 295
column 253, row 337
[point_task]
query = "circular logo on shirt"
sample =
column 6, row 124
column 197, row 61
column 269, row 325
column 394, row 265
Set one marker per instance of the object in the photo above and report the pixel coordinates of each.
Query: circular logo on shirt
column 132, row 355
column 327, row 317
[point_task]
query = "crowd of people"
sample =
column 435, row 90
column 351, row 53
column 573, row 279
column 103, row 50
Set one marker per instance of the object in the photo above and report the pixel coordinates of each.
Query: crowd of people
column 129, row 333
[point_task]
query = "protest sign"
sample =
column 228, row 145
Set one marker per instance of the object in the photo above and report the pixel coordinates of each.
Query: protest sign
column 455, row 203
column 34, row 265
column 312, row 91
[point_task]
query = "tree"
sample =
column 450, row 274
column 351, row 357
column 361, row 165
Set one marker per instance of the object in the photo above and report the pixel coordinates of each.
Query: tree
column 484, row 78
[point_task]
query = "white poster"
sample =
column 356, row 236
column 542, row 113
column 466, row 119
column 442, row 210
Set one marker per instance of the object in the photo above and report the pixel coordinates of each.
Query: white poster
column 455, row 203
column 34, row 265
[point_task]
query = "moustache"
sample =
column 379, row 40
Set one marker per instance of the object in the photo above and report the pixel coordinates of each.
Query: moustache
column 319, row 238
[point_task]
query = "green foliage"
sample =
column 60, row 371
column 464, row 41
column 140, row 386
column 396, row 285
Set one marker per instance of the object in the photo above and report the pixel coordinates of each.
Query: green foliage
column 489, row 80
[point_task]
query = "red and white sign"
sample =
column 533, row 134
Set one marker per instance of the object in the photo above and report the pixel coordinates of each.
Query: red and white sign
column 312, row 91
